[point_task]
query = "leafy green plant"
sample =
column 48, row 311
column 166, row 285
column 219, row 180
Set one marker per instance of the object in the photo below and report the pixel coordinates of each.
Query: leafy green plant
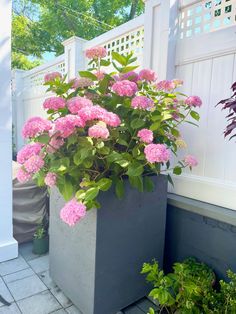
column 40, row 232
column 190, row 289
column 182, row 290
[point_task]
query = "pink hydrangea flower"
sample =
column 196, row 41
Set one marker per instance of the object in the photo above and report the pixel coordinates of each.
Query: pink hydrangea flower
column 27, row 151
column 81, row 82
column 76, row 103
column 34, row 164
column 166, row 85
column 54, row 144
column 36, row 126
column 54, row 103
column 147, row 75
column 193, row 101
column 131, row 76
column 23, row 176
column 156, row 153
column 142, row 102
column 98, row 131
column 145, row 136
column 99, row 113
column 50, row 179
column 125, row 88
column 73, row 212
column 190, row 161
column 66, row 125
column 96, row 52
column 52, row 76
column 100, row 75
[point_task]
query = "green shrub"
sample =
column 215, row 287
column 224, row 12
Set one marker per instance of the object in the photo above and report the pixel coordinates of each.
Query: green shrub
column 190, row 289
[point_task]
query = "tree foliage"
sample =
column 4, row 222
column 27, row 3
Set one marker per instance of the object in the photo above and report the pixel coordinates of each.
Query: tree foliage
column 39, row 26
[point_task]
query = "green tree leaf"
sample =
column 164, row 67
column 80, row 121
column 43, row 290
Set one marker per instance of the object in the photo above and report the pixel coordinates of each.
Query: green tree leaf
column 195, row 115
column 91, row 193
column 137, row 123
column 135, row 169
column 104, row 184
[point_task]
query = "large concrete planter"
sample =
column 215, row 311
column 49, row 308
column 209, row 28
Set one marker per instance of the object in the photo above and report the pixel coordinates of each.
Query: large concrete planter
column 97, row 263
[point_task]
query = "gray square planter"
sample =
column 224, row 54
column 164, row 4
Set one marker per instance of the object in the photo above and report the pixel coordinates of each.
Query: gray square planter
column 97, row 263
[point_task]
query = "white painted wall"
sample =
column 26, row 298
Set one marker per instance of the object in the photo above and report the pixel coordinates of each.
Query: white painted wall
column 8, row 245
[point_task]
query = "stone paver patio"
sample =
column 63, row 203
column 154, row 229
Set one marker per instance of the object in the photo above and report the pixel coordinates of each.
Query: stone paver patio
column 26, row 284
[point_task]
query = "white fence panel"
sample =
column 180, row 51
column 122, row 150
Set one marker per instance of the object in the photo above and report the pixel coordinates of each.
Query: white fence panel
column 207, row 64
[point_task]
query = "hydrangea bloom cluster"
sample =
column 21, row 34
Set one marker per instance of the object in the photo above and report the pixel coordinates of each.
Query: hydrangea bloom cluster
column 50, row 179
column 76, row 103
column 73, row 212
column 81, row 82
column 157, row 153
column 99, row 113
column 131, row 76
column 193, row 101
column 142, row 102
column 166, row 85
column 54, row 103
column 34, row 164
column 98, row 131
column 23, row 176
column 102, row 128
column 27, row 151
column 96, row 52
column 190, row 161
column 147, row 75
column 35, row 126
column 145, row 136
column 125, row 88
column 52, row 76
column 66, row 125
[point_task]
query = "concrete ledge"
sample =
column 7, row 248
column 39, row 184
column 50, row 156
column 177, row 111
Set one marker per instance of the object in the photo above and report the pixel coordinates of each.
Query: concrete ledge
column 205, row 209
column 8, row 250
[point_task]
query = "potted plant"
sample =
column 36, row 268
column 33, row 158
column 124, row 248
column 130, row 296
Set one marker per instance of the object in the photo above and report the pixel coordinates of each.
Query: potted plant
column 40, row 240
column 106, row 146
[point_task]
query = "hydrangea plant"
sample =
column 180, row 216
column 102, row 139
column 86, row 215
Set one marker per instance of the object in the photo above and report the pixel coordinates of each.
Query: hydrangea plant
column 103, row 128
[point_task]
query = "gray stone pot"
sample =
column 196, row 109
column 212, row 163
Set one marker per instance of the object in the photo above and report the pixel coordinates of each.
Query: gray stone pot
column 97, row 263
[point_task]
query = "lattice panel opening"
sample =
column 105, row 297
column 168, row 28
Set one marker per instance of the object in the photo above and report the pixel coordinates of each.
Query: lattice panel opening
column 206, row 16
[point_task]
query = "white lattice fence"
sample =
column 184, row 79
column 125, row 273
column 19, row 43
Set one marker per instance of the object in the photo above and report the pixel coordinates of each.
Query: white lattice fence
column 206, row 16
column 123, row 39
column 34, row 78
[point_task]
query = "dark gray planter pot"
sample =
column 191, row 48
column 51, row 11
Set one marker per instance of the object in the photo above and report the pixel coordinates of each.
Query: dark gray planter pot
column 97, row 263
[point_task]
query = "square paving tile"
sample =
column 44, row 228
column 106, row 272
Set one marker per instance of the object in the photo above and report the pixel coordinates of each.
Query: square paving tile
column 61, row 298
column 40, row 264
column 42, row 303
column 26, row 287
column 61, row 311
column 73, row 310
column 45, row 277
column 12, row 309
column 13, row 266
column 18, row 275
column 25, row 250
column 5, row 293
